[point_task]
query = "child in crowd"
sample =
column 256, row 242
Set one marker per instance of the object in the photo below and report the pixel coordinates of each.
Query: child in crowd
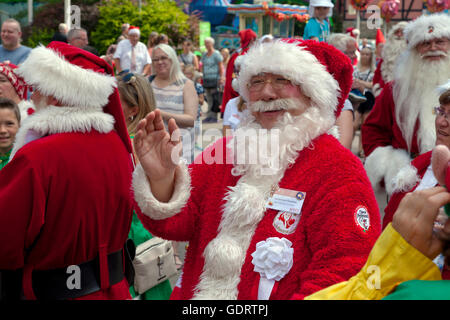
column 318, row 28
column 9, row 125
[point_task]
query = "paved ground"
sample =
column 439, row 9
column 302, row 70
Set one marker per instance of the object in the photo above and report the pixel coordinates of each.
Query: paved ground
column 381, row 196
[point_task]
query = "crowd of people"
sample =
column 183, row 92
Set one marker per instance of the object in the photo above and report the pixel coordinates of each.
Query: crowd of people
column 96, row 151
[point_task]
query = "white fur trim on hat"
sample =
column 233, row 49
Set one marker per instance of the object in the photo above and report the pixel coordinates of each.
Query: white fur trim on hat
column 153, row 208
column 134, row 31
column 427, row 27
column 51, row 74
column 294, row 63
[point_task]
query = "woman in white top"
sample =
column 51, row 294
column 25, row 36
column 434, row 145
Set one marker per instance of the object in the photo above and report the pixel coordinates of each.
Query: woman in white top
column 175, row 94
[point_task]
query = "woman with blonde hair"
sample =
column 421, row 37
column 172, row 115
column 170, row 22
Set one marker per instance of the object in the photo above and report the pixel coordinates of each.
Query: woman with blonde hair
column 362, row 89
column 175, row 94
column 137, row 99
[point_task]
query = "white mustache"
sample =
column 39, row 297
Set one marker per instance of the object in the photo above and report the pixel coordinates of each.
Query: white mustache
column 279, row 104
column 434, row 54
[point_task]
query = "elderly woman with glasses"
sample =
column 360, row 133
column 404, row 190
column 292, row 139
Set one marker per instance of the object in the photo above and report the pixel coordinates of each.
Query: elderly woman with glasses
column 419, row 174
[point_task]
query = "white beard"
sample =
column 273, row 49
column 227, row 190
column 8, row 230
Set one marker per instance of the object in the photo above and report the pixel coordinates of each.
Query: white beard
column 274, row 150
column 415, row 96
column 392, row 49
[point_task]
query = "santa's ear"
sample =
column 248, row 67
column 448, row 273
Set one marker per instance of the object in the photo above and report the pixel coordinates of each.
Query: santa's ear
column 440, row 162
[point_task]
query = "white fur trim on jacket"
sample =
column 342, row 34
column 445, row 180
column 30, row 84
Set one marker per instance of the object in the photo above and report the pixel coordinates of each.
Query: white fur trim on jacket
column 427, row 27
column 225, row 254
column 376, row 89
column 405, row 179
column 153, row 208
column 385, row 163
column 47, row 71
column 443, row 88
column 296, row 64
column 52, row 120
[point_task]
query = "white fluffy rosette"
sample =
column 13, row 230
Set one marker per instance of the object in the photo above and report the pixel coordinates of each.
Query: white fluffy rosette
column 273, row 259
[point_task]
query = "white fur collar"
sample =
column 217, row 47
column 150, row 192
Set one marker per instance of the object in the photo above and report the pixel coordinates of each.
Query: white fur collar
column 54, row 119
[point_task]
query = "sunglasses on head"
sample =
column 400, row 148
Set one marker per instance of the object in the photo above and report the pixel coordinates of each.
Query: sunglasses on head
column 128, row 77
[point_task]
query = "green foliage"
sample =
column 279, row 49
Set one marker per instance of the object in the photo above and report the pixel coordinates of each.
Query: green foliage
column 47, row 18
column 39, row 36
column 162, row 16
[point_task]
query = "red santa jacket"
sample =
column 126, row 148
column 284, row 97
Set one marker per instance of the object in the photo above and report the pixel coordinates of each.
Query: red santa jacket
column 378, row 81
column 381, row 128
column 224, row 217
column 421, row 164
column 65, row 198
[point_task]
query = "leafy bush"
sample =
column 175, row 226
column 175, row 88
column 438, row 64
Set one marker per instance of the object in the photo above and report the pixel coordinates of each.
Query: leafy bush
column 162, row 16
column 49, row 16
column 39, row 36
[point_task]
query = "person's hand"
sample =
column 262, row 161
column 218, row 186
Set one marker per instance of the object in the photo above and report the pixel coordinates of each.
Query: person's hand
column 415, row 217
column 157, row 149
column 355, row 84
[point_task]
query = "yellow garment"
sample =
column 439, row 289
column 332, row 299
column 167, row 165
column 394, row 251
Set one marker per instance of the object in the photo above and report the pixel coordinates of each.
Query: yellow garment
column 391, row 261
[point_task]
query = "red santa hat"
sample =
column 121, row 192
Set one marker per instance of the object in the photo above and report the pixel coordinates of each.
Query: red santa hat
column 134, row 30
column 352, row 32
column 8, row 70
column 323, row 72
column 426, row 28
column 379, row 38
column 246, row 37
column 76, row 78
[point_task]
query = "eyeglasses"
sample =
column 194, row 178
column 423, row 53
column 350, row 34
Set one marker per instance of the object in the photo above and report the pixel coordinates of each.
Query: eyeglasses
column 439, row 43
column 162, row 59
column 278, row 83
column 441, row 113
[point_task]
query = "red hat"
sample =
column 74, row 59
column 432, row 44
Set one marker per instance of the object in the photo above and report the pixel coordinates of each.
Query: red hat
column 76, row 78
column 134, row 30
column 323, row 72
column 353, row 32
column 7, row 69
column 246, row 36
column 379, row 38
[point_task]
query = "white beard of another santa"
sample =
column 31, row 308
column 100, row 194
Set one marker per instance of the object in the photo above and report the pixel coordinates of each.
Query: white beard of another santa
column 415, row 95
column 261, row 152
column 392, row 49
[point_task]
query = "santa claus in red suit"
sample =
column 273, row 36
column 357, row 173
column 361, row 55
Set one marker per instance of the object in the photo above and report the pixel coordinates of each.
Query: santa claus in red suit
column 419, row 175
column 280, row 209
column 247, row 36
column 65, row 199
column 401, row 124
column 393, row 47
